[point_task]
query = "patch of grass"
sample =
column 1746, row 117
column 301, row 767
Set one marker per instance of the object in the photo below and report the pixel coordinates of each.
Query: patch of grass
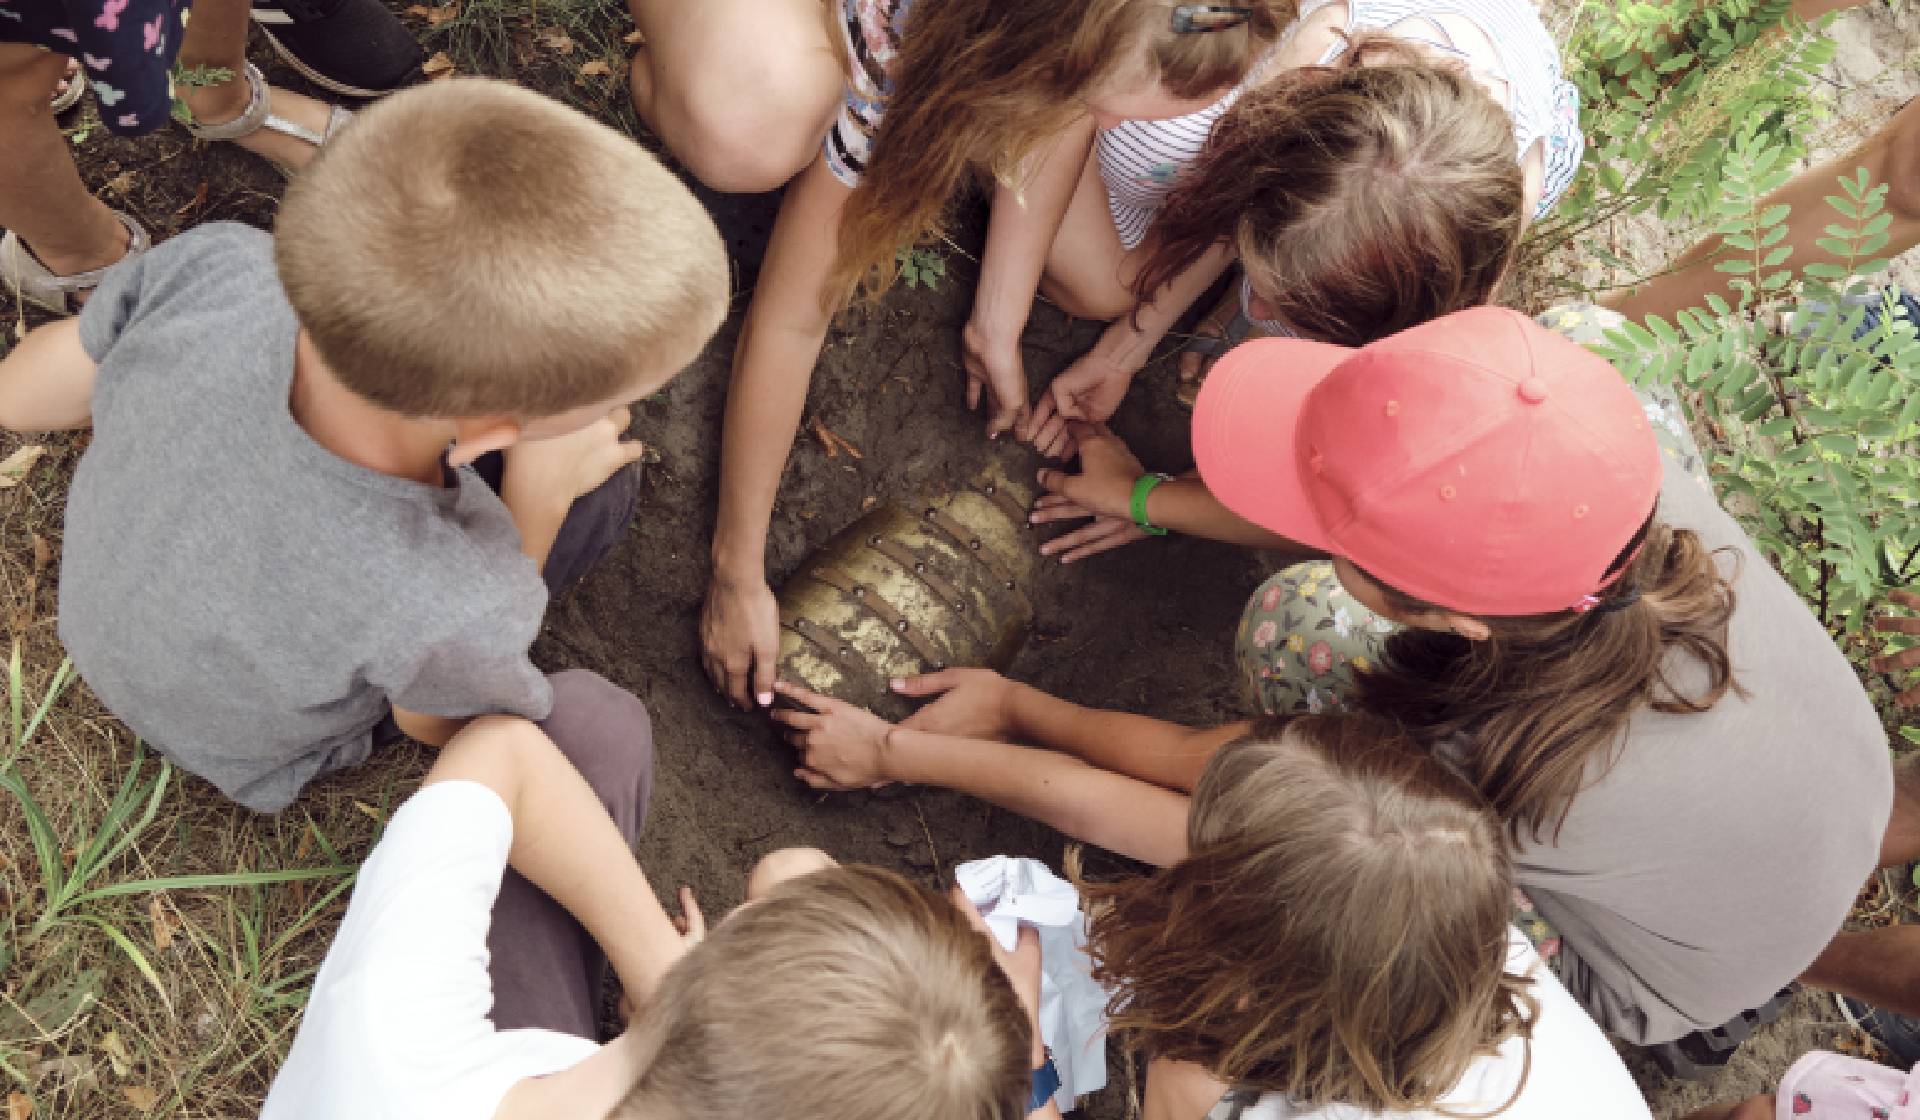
column 576, row 50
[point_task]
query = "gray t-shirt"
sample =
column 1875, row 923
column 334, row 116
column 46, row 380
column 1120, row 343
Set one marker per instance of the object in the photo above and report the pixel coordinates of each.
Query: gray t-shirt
column 1721, row 851
column 245, row 600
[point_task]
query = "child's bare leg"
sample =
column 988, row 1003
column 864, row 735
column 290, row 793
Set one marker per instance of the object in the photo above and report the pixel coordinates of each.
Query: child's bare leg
column 1891, row 156
column 1881, row 967
column 1753, row 1108
column 779, row 866
column 1089, row 273
column 217, row 39
column 41, row 196
column 742, row 91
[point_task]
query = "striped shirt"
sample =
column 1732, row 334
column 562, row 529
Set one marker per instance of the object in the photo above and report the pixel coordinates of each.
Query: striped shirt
column 1139, row 160
column 870, row 31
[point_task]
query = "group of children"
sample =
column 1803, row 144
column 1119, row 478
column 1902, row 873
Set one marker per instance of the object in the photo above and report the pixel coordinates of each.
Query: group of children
column 1544, row 747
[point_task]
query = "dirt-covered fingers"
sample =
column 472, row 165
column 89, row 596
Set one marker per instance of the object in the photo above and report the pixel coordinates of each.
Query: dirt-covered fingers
column 1057, row 507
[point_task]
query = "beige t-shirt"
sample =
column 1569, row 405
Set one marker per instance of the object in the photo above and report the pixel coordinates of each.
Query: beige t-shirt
column 1720, row 852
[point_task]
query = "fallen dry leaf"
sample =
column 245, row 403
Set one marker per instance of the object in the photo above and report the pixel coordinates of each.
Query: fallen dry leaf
column 557, row 40
column 598, row 68
column 165, row 923
column 117, row 1055
column 633, row 38
column 439, row 66
column 434, row 16
column 14, row 468
column 120, row 184
column 19, row 1106
column 198, row 200
column 143, row 1097
column 42, row 554
column 825, row 437
column 868, row 503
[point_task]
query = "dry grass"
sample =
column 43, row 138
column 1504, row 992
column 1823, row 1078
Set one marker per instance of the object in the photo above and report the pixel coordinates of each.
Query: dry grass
column 155, row 1002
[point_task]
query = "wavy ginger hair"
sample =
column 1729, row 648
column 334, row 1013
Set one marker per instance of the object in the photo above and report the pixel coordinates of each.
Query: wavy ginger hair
column 1364, row 197
column 984, row 83
column 1338, row 932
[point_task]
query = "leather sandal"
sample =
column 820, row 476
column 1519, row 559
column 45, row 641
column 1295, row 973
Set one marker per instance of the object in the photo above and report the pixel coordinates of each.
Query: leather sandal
column 27, row 278
column 259, row 114
column 69, row 97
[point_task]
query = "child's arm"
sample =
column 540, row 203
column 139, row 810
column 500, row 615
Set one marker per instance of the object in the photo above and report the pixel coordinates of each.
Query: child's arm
column 1179, row 1091
column 773, row 362
column 46, row 383
column 982, row 704
column 565, row 844
column 1020, row 233
column 844, row 747
column 1104, row 488
column 1093, row 386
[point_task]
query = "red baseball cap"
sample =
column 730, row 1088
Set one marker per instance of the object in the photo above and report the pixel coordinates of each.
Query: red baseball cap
column 1480, row 462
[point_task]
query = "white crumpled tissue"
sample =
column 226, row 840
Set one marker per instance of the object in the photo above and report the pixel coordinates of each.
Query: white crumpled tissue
column 1010, row 891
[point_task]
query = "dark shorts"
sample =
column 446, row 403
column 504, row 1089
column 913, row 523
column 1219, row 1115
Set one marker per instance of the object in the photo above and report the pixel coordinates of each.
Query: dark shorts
column 126, row 47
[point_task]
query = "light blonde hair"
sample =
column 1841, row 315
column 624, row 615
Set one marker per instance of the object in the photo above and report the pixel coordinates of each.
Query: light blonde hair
column 469, row 248
column 983, row 83
column 1364, row 197
column 1338, row 932
column 845, row 994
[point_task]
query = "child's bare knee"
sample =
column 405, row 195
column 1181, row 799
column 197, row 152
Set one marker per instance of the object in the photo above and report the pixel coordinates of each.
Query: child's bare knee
column 779, row 866
column 1903, row 163
column 1088, row 301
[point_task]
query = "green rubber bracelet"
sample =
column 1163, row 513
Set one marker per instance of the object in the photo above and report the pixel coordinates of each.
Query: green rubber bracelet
column 1141, row 488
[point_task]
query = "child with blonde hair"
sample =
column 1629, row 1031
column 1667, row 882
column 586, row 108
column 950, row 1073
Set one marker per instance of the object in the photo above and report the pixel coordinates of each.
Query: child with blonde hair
column 283, row 545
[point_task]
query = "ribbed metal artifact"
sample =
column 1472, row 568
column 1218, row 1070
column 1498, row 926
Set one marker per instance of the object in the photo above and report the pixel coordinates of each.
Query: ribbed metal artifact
column 902, row 591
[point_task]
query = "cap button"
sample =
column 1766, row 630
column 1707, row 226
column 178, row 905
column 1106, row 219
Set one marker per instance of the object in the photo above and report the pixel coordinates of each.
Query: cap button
column 1533, row 390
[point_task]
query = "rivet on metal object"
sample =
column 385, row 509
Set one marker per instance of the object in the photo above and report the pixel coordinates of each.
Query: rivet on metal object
column 960, row 605
column 859, row 591
column 874, row 540
column 1010, row 586
column 801, row 624
column 989, row 487
column 901, row 626
column 845, row 652
column 930, row 512
column 920, row 567
column 974, row 544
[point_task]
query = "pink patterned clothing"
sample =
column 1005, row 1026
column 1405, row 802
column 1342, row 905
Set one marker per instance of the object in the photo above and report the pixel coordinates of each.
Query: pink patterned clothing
column 1828, row 1086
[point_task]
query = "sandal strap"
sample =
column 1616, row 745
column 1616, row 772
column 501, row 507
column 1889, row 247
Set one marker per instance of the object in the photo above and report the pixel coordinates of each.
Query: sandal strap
column 29, row 277
column 137, row 242
column 257, row 114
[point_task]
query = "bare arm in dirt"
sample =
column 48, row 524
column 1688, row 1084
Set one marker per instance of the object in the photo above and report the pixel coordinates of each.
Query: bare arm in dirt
column 980, row 704
column 565, row 844
column 1093, row 386
column 1904, row 662
column 1103, row 490
column 1025, row 220
column 46, row 383
column 780, row 341
column 844, row 747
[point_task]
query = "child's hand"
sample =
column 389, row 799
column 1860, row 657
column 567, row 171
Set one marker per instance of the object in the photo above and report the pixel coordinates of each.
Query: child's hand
column 1022, row 967
column 1091, row 388
column 994, row 370
column 1908, row 659
column 841, row 747
column 970, row 703
column 740, row 640
column 575, row 464
column 691, row 923
column 1104, row 486
column 1099, row 535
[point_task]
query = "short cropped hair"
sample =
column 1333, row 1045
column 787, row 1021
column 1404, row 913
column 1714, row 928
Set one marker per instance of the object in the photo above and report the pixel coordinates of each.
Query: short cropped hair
column 846, row 994
column 471, row 248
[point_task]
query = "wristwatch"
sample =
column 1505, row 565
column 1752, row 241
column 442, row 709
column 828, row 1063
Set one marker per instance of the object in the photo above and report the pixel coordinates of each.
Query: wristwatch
column 1046, row 1082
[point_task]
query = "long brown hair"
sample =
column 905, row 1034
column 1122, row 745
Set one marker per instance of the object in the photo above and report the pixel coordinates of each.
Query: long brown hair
column 1338, row 932
column 986, row 82
column 1532, row 710
column 1364, row 197
column 841, row 995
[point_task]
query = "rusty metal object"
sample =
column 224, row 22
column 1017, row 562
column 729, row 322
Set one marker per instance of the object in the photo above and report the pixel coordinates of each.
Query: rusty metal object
column 901, row 592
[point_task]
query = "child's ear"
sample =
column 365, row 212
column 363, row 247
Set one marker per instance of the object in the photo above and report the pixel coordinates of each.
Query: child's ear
column 478, row 435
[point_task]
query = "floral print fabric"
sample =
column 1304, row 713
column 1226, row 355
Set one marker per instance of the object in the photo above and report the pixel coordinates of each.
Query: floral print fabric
column 1828, row 1086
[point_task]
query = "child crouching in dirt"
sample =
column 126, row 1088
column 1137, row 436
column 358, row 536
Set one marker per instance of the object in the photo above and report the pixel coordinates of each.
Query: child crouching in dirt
column 836, row 993
column 282, row 546
column 1328, row 935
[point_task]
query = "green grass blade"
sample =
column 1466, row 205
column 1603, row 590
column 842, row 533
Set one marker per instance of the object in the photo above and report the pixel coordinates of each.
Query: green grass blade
column 111, row 828
column 16, row 685
column 46, row 844
column 209, row 882
column 62, row 677
column 132, row 951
